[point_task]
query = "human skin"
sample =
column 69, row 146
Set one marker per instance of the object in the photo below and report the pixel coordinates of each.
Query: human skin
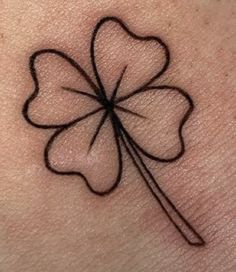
column 54, row 223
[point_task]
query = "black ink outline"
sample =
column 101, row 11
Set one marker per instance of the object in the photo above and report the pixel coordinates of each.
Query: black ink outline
column 181, row 124
column 110, row 106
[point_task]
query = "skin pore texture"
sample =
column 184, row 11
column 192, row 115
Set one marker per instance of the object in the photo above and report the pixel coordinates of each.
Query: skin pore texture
column 51, row 222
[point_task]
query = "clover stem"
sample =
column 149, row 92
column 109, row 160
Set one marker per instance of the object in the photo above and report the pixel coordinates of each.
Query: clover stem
column 186, row 230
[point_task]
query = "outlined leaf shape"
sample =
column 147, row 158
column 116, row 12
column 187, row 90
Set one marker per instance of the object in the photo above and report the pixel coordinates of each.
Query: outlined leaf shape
column 125, row 110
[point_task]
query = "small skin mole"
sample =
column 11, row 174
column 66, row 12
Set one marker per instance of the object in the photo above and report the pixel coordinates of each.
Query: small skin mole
column 2, row 37
column 206, row 22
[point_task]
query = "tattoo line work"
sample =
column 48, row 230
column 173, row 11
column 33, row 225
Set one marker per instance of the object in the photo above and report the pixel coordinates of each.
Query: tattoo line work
column 111, row 108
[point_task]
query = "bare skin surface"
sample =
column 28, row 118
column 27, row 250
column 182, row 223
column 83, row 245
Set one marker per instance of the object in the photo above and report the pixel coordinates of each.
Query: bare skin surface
column 53, row 223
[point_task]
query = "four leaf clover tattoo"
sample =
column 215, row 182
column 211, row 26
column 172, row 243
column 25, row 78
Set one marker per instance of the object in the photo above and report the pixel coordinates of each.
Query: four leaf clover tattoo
column 115, row 109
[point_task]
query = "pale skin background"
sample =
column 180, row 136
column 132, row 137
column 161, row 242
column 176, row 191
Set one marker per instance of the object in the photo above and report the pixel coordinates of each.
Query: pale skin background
column 51, row 223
